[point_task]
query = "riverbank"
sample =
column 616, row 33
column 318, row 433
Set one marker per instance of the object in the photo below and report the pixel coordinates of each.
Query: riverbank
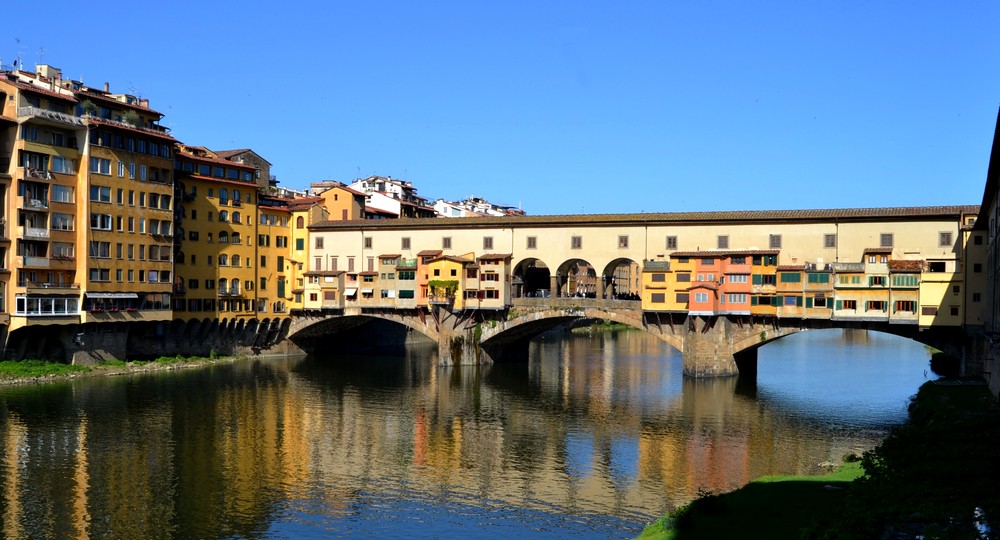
column 25, row 372
column 935, row 476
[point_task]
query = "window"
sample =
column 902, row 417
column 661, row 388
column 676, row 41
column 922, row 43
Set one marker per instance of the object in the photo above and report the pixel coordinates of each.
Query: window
column 738, row 278
column 658, row 278
column 100, row 274
column 944, row 239
column 532, row 242
column 300, row 244
column 774, row 241
column 791, row 277
column 905, row 305
column 683, row 278
column 223, row 216
column 672, row 244
column 977, row 297
column 131, row 171
column 367, row 242
column 300, row 222
column 62, row 194
column 885, row 240
column 236, row 217
column 100, row 222
column 875, row 305
column 100, row 194
column 319, row 242
column 701, row 297
column 100, row 165
column 682, row 298
column 622, row 242
column 657, row 298
column 576, row 242
column 722, row 241
column 100, row 250
column 829, row 240
column 818, row 277
column 737, row 298
column 405, row 242
column 446, row 242
column 487, row 242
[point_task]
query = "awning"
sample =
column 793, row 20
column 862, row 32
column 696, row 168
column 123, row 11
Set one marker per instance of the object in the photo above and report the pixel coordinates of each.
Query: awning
column 350, row 292
column 367, row 291
column 111, row 295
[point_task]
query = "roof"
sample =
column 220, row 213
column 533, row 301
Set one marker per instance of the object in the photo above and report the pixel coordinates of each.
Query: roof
column 127, row 127
column 218, row 180
column 323, row 273
column 302, row 203
column 229, row 154
column 450, row 258
column 903, row 265
column 789, row 267
column 724, row 252
column 368, row 273
column 40, row 90
column 703, row 285
column 848, row 267
column 668, row 218
column 390, row 256
column 495, row 256
column 878, row 250
column 429, row 253
column 101, row 96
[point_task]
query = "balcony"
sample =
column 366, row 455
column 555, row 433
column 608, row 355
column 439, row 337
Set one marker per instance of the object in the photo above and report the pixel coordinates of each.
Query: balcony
column 35, row 232
column 38, row 205
column 230, row 292
column 31, row 173
column 50, row 288
column 35, row 262
column 50, row 116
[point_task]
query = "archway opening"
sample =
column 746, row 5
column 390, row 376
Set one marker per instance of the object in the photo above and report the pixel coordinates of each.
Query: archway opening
column 531, row 279
column 622, row 280
column 577, row 278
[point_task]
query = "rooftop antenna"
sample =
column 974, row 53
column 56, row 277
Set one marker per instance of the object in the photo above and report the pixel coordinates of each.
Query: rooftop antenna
column 18, row 62
column 41, row 55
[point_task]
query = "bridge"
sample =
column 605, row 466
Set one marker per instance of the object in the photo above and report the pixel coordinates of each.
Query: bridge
column 716, row 345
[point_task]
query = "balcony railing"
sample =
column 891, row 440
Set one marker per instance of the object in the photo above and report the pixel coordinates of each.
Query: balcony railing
column 48, row 286
column 36, row 262
column 35, row 232
column 155, row 128
column 35, row 204
column 230, row 292
column 35, row 174
column 38, row 112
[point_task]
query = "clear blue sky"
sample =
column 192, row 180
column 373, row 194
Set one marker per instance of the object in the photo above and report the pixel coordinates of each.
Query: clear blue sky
column 568, row 107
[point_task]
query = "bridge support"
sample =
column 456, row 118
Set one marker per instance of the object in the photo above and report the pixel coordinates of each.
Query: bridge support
column 722, row 346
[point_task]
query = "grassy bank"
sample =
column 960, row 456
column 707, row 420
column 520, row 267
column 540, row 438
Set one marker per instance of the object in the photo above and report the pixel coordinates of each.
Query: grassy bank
column 769, row 507
column 39, row 371
column 933, row 476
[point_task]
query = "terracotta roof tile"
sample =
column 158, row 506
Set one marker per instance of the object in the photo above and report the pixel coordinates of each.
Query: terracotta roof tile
column 791, row 267
column 368, row 273
column 323, row 273
column 878, row 250
column 122, row 125
column 671, row 218
column 495, row 256
column 451, row 258
column 429, row 253
column 390, row 256
column 100, row 96
column 42, row 91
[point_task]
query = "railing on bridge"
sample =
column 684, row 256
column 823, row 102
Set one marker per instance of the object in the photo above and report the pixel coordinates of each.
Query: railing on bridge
column 574, row 302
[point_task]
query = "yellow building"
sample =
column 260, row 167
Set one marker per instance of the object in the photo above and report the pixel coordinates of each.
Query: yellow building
column 446, row 285
column 216, row 255
column 304, row 211
column 274, row 269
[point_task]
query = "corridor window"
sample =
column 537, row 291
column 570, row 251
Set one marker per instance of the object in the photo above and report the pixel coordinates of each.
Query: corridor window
column 829, row 240
column 576, row 242
column 404, row 242
column 532, row 242
column 623, row 241
column 774, row 241
column 487, row 242
column 722, row 242
column 944, row 239
column 885, row 240
column 671, row 242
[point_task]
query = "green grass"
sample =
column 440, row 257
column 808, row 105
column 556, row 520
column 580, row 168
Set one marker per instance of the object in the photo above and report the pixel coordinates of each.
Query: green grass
column 37, row 368
column 772, row 507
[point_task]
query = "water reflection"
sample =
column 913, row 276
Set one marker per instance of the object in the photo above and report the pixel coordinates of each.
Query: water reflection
column 595, row 436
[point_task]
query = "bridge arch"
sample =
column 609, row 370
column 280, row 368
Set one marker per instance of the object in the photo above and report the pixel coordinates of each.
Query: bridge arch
column 310, row 328
column 530, row 324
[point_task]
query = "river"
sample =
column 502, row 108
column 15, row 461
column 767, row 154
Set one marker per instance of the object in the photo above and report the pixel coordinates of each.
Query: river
column 593, row 438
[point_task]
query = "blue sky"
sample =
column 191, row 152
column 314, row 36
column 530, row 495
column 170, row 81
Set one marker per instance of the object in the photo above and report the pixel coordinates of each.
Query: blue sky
column 570, row 107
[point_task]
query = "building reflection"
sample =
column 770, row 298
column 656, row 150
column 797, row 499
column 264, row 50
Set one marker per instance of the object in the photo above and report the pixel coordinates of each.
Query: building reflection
column 601, row 423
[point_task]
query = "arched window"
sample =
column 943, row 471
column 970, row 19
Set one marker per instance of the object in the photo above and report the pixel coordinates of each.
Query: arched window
column 236, row 195
column 236, row 260
column 223, row 196
column 223, row 237
column 300, row 222
column 223, row 259
column 223, row 285
column 223, row 216
column 235, row 238
column 235, row 287
column 236, row 217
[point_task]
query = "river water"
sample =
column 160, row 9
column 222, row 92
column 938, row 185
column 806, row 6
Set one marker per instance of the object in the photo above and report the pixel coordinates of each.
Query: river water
column 593, row 438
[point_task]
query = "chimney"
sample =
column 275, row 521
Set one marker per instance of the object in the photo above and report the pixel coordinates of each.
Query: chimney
column 107, row 87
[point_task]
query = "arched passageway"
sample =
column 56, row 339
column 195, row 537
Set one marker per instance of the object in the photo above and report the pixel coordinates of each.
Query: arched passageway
column 531, row 279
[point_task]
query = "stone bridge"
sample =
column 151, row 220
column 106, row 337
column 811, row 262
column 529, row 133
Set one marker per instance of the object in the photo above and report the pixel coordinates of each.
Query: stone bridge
column 711, row 346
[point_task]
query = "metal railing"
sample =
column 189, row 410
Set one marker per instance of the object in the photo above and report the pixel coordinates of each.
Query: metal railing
column 38, row 112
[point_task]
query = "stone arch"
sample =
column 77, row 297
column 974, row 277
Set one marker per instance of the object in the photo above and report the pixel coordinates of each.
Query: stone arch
column 622, row 279
column 531, row 277
column 577, row 277
column 535, row 322
column 328, row 325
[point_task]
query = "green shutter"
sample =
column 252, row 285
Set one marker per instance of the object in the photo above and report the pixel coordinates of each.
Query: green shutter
column 798, row 301
column 753, row 300
column 756, row 279
column 840, row 304
column 809, row 302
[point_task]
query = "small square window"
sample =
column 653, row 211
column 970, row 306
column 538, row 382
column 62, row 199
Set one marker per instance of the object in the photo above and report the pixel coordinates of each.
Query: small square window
column 576, row 242
column 671, row 242
column 944, row 239
column 532, row 242
column 722, row 241
column 829, row 240
column 774, row 241
column 487, row 242
column 405, row 242
column 622, row 241
column 446, row 242
column 368, row 242
column 885, row 240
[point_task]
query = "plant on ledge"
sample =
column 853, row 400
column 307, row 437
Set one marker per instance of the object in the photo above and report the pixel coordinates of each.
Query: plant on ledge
column 132, row 118
column 443, row 287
